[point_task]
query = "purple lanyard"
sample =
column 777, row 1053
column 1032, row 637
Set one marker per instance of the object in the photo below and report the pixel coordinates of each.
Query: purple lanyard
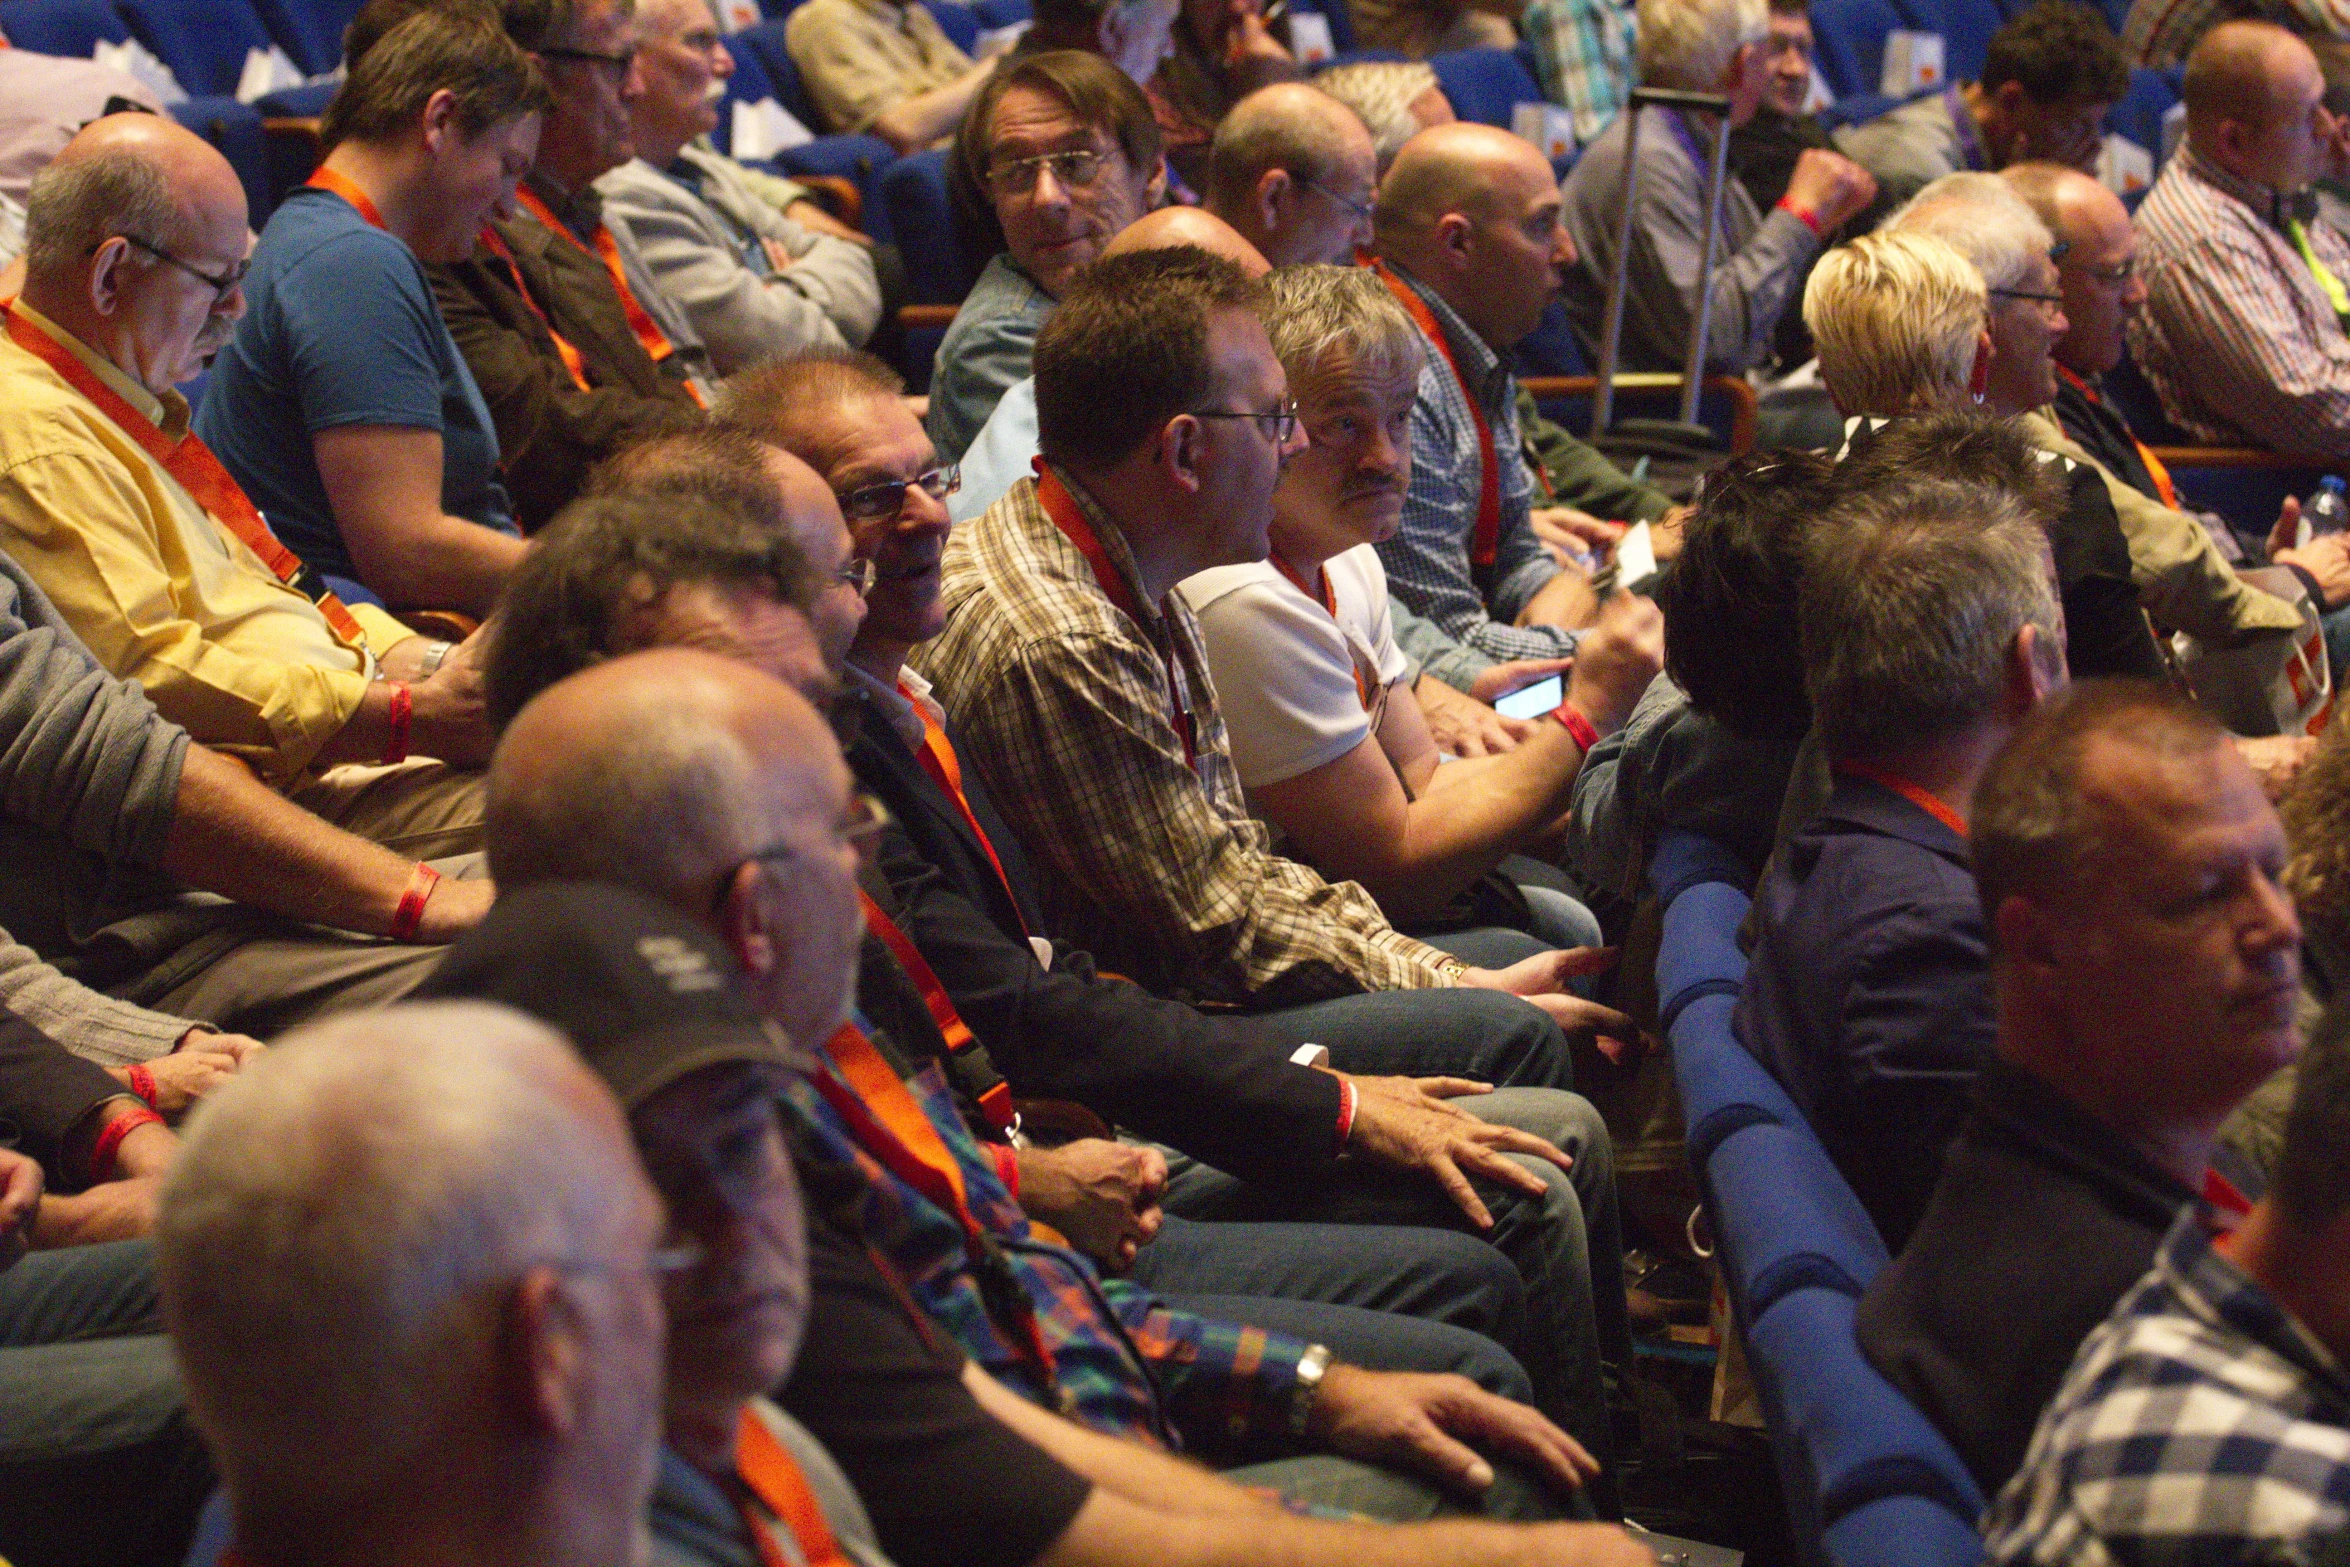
column 1962, row 120
column 1687, row 138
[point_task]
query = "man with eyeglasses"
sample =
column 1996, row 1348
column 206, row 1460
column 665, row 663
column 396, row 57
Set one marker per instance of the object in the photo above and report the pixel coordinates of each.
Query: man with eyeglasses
column 754, row 283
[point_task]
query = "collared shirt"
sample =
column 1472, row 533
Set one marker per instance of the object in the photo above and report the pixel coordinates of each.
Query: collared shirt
column 696, row 1523
column 862, row 57
column 1583, row 58
column 160, row 590
column 1461, row 632
column 989, row 346
column 583, row 213
column 2202, row 1422
column 1153, row 863
column 2238, row 336
column 2158, row 34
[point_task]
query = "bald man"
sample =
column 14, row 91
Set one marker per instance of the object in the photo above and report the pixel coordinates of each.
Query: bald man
column 2247, row 297
column 1294, row 172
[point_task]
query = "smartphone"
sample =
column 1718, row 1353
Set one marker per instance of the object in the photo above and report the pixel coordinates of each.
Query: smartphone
column 1533, row 701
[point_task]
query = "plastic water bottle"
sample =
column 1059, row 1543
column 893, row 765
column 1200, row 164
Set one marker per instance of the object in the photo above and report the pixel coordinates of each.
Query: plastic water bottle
column 2327, row 510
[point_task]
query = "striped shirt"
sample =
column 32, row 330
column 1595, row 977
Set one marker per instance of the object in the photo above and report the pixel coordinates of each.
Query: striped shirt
column 2238, row 335
column 2159, row 33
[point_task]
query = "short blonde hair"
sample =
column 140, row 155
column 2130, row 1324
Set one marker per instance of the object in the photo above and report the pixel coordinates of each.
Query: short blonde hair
column 1690, row 43
column 1895, row 317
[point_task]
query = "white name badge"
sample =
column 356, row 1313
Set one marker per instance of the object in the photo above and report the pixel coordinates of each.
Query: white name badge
column 1913, row 63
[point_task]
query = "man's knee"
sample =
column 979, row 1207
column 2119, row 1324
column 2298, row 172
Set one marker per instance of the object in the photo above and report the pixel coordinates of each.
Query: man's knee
column 1521, row 1046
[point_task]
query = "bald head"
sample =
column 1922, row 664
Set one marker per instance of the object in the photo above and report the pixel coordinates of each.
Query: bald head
column 1293, row 170
column 2250, row 88
column 1473, row 213
column 1172, row 226
column 1462, row 167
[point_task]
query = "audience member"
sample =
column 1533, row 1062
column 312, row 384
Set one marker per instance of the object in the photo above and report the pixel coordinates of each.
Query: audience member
column 1293, row 171
column 2145, row 965
column 1420, row 28
column 1325, row 733
column 146, row 545
column 1930, row 628
column 2243, row 332
column 1395, row 100
column 46, row 100
column 2158, row 34
column 1582, row 57
column 1133, row 35
column 753, row 282
column 1713, row 46
column 409, row 1270
column 341, row 405
column 1219, row 52
column 578, row 351
column 2049, row 74
column 2207, row 1413
column 2333, row 178
column 1469, row 239
column 182, row 1057
column 883, row 68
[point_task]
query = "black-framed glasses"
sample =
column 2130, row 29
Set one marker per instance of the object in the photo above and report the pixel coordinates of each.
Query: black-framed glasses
column 221, row 286
column 1075, row 169
column 617, row 64
column 2052, row 301
column 1360, row 209
column 885, row 498
column 1278, row 426
column 856, row 572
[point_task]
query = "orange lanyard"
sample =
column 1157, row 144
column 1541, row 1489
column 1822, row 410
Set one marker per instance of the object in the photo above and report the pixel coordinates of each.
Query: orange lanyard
column 1066, row 515
column 1487, row 539
column 996, row 1103
column 946, row 770
column 2154, row 468
column 1328, row 598
column 191, row 462
column 607, row 250
column 1929, row 803
column 763, row 1465
column 572, row 361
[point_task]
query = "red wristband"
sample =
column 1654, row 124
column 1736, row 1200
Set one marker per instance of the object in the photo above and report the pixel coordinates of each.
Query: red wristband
column 109, row 1143
column 142, row 1083
column 403, row 710
column 410, row 914
column 1348, row 1098
column 1571, row 717
column 1006, row 1160
column 1811, row 219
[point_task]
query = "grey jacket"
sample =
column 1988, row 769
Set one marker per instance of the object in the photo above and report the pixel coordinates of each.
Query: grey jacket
column 700, row 227
column 990, row 345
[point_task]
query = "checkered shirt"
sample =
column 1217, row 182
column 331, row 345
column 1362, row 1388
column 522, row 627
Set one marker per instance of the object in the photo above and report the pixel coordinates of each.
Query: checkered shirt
column 1155, row 866
column 1583, row 58
column 2200, row 1423
column 1459, row 632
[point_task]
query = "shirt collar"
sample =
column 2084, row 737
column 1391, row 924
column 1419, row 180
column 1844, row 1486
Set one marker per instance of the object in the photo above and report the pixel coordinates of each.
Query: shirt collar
column 1480, row 366
column 2271, row 205
column 581, row 210
column 169, row 413
column 893, row 702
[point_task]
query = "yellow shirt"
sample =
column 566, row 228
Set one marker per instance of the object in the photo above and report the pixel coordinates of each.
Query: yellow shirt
column 162, row 593
column 858, row 58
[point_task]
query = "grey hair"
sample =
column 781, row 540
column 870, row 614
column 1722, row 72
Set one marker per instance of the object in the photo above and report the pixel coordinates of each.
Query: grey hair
column 1381, row 93
column 1320, row 310
column 1982, row 218
column 76, row 206
column 1690, row 43
column 331, row 1236
column 1912, row 596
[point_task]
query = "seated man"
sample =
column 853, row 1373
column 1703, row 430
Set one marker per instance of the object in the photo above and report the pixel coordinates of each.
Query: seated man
column 753, row 282
column 1582, row 53
column 2217, row 1380
column 2243, row 334
column 1293, row 171
column 578, row 351
column 1712, row 46
column 1867, row 996
column 1219, row 52
column 2049, row 75
column 409, row 1271
column 1063, row 149
column 341, row 405
column 1326, row 734
column 1468, row 239
column 150, row 550
column 2145, row 965
column 1420, row 28
column 882, row 67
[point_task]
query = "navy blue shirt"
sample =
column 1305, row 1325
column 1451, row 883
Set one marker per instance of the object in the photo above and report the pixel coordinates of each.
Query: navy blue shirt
column 1868, row 995
column 340, row 329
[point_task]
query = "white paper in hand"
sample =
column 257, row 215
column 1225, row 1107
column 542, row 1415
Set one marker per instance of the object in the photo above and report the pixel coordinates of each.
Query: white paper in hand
column 2123, row 166
column 132, row 59
column 765, row 128
column 266, row 71
column 1636, row 559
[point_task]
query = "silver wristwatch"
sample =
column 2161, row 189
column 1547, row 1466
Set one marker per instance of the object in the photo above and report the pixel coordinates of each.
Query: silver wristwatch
column 1312, row 1366
column 430, row 665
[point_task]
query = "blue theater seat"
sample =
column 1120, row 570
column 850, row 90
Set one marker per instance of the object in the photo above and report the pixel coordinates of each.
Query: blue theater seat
column 71, row 28
column 310, row 30
column 941, row 262
column 203, row 41
column 1851, row 39
column 1486, row 84
column 235, row 129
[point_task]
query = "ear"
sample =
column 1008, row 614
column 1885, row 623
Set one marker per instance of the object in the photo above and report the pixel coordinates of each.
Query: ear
column 1154, row 189
column 2032, row 675
column 1272, row 193
column 106, row 275
column 1743, row 62
column 1456, row 236
column 1182, row 447
column 441, row 129
column 2026, row 940
column 1978, row 378
column 743, row 923
column 545, row 1352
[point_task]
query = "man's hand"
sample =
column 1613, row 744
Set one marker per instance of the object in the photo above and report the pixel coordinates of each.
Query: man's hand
column 1461, row 725
column 203, row 1061
column 2276, row 760
column 1415, row 1421
column 1103, row 1196
column 116, row 1211
column 1574, row 538
column 812, row 216
column 1830, row 186
column 1542, row 980
column 450, row 718
column 20, row 1202
column 1409, row 1123
column 1666, row 533
column 1616, row 660
column 2326, row 557
column 1566, row 601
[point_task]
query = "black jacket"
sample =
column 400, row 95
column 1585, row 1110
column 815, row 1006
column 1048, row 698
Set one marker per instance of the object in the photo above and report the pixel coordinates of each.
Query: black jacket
column 45, row 1090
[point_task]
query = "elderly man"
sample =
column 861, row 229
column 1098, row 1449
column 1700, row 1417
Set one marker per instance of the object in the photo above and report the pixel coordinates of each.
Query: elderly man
column 143, row 541
column 754, row 283
column 2145, row 965
column 1867, row 995
column 2049, row 75
column 341, row 405
column 409, row 1271
column 2243, row 333
column 2239, row 1331
column 1468, row 238
column 1063, row 148
column 884, row 68
column 1292, row 170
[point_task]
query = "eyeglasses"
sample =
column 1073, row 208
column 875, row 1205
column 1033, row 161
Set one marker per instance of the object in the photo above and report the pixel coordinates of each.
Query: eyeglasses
column 857, row 572
column 221, row 286
column 618, row 64
column 1360, row 209
column 2049, row 303
column 1076, row 169
column 876, row 502
column 1278, row 426
column 2119, row 272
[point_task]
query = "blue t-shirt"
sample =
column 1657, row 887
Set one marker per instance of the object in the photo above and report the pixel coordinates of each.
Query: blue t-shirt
column 340, row 328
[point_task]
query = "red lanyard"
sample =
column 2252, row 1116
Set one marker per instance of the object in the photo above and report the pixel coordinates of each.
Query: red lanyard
column 1487, row 538
column 607, row 250
column 946, row 770
column 1927, row 802
column 191, row 462
column 329, row 179
column 1066, row 515
column 1328, row 599
column 763, row 1465
column 2154, row 467
column 996, row 1103
column 572, row 361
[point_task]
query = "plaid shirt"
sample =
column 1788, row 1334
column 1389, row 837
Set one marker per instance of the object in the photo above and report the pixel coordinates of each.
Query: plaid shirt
column 1154, row 864
column 2237, row 335
column 2160, row 33
column 2200, row 1423
column 1456, row 632
column 1583, row 57
column 1123, row 1361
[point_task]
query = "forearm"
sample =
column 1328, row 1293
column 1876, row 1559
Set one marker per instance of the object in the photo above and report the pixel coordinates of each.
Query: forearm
column 436, row 561
column 911, row 124
column 1111, row 1531
column 1126, row 1469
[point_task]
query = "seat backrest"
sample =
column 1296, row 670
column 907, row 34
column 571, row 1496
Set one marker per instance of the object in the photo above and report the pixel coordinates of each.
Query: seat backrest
column 941, row 265
column 203, row 41
column 71, row 28
column 2139, row 113
column 783, row 74
column 958, row 21
column 235, row 129
column 1485, row 84
column 1907, row 1529
column 748, row 84
column 1786, row 1218
column 310, row 30
column 1851, row 42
